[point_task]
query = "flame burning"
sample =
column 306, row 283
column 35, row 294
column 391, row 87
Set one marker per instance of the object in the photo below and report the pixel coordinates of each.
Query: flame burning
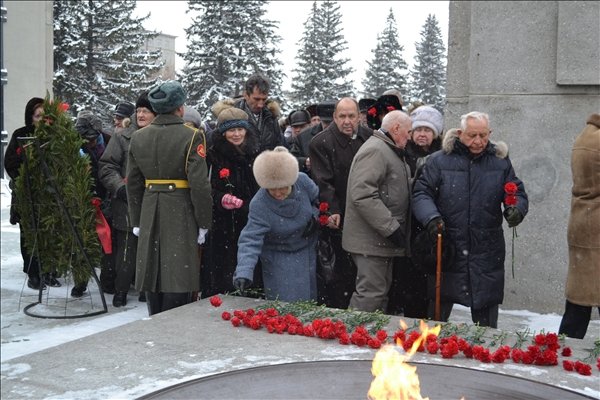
column 394, row 377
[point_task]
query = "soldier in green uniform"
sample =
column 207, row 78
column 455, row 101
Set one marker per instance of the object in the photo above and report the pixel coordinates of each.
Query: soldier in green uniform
column 170, row 202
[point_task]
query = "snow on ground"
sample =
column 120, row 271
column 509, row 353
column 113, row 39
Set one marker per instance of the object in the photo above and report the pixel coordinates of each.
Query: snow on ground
column 23, row 334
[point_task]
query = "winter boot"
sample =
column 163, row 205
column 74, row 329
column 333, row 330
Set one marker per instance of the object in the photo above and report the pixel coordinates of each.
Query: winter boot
column 120, row 299
column 78, row 290
column 34, row 282
column 50, row 280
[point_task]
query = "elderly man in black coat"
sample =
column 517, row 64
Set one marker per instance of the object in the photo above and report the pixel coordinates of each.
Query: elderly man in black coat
column 460, row 194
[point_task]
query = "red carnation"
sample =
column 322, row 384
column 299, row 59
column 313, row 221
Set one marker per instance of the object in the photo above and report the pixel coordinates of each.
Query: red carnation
column 19, row 150
column 583, row 368
column 568, row 365
column 516, row 355
column 400, row 335
column 235, row 321
column 224, row 173
column 271, row 312
column 381, row 335
column 510, row 188
column 63, row 107
column 374, row 343
column 510, row 200
column 216, row 301
column 432, row 347
column 344, row 339
column 468, row 352
column 450, row 349
column 226, row 315
column 372, row 111
column 309, row 331
column 566, row 352
column 323, row 219
column 323, row 206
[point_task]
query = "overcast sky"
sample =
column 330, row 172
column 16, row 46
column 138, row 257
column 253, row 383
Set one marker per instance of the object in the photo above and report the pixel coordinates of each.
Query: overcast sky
column 362, row 21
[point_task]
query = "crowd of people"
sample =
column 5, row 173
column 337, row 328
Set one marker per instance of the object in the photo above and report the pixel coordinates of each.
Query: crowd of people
column 342, row 202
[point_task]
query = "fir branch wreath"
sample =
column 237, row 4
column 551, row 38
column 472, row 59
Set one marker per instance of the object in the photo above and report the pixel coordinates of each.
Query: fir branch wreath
column 47, row 231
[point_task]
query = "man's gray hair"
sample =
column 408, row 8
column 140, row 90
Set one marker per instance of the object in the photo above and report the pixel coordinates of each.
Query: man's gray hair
column 394, row 117
column 481, row 116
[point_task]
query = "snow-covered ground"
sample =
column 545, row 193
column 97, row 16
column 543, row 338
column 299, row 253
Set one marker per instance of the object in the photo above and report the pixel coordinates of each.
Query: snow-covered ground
column 23, row 334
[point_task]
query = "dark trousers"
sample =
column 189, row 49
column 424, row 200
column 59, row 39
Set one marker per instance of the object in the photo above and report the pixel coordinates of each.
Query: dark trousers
column 337, row 292
column 487, row 316
column 159, row 302
column 125, row 250
column 31, row 265
column 408, row 293
column 575, row 320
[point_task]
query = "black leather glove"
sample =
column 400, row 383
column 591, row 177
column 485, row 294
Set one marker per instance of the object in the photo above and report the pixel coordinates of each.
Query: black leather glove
column 242, row 284
column 122, row 193
column 398, row 238
column 432, row 228
column 513, row 216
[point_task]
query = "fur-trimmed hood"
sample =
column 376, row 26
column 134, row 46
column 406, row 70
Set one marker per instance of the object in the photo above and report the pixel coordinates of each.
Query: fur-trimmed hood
column 450, row 137
column 594, row 119
column 221, row 105
column 274, row 107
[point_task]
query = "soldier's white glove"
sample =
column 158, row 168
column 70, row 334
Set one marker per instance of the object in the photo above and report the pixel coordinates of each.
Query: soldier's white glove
column 201, row 235
column 136, row 231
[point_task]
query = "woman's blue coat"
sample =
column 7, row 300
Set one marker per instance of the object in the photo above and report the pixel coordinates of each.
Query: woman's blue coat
column 274, row 233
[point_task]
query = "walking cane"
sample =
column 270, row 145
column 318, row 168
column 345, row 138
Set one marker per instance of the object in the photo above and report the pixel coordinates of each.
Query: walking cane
column 438, row 275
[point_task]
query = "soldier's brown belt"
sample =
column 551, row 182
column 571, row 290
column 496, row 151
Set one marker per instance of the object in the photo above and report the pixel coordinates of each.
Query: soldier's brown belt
column 168, row 183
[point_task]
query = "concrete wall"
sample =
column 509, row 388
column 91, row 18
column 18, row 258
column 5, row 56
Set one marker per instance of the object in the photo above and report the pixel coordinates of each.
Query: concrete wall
column 534, row 67
column 28, row 57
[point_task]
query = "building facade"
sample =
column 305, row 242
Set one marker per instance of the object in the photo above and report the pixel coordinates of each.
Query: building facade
column 166, row 44
column 27, row 58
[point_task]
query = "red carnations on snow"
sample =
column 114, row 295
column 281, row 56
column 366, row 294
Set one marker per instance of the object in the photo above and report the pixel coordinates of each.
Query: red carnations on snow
column 216, row 301
column 542, row 351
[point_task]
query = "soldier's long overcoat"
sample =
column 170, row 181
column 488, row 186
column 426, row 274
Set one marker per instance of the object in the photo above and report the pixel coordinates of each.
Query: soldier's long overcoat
column 168, row 217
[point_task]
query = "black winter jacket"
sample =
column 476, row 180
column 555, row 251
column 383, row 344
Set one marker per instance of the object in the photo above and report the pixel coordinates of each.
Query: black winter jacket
column 468, row 193
column 265, row 130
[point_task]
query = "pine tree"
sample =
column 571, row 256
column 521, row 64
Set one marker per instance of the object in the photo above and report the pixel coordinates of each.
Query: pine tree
column 322, row 73
column 227, row 42
column 99, row 56
column 387, row 70
column 429, row 71
column 47, row 231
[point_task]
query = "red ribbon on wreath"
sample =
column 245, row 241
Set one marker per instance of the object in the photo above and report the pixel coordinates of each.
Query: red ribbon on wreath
column 102, row 227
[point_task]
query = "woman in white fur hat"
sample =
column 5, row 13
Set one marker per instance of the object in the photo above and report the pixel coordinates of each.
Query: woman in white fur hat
column 281, row 230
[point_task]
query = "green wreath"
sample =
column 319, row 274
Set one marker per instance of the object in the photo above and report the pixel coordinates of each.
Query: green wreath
column 47, row 231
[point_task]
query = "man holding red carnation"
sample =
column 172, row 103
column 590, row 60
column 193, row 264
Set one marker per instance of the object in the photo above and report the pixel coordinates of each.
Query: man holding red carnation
column 460, row 194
